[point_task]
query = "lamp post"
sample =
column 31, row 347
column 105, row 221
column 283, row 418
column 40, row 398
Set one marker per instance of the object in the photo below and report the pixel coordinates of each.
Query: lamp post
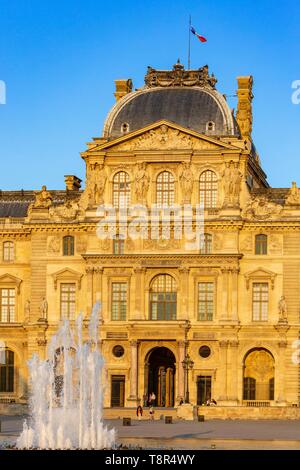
column 188, row 365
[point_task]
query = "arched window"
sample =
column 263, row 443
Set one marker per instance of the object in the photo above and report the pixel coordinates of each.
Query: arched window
column 259, row 368
column 163, row 298
column 68, row 246
column 6, row 371
column 121, row 190
column 125, row 128
column 165, row 188
column 8, row 251
column 208, row 189
column 206, row 244
column 261, row 244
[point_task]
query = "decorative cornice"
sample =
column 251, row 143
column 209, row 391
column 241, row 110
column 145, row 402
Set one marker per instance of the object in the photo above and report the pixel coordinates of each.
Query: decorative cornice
column 179, row 77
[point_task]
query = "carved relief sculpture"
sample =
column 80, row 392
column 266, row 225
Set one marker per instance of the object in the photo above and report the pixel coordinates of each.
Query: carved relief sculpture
column 187, row 182
column 43, row 310
column 43, row 199
column 99, row 180
column 261, row 208
column 142, row 181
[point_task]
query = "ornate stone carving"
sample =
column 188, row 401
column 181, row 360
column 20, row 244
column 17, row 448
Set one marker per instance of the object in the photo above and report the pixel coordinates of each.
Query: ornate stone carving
column 217, row 242
column 164, row 137
column 27, row 311
column 247, row 244
column 142, row 180
column 293, row 196
column 81, row 245
column 261, row 208
column 180, row 77
column 54, row 245
column 282, row 310
column 232, row 178
column 187, row 182
column 244, row 109
column 94, row 186
column 43, row 200
column 161, row 244
column 275, row 244
column 68, row 211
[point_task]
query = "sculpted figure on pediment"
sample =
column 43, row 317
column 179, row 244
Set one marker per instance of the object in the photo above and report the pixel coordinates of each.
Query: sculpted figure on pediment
column 261, row 208
column 293, row 196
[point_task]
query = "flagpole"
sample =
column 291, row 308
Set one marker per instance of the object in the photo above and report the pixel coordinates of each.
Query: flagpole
column 189, row 50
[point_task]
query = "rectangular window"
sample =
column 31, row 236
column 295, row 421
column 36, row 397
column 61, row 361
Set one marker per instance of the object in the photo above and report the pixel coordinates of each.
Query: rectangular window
column 260, row 301
column 8, row 305
column 119, row 301
column 205, row 301
column 8, row 251
column 67, row 301
column 118, row 246
column 117, row 390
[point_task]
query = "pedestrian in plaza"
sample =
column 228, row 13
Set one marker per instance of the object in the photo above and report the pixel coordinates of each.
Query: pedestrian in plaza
column 151, row 413
column 139, row 412
column 152, row 399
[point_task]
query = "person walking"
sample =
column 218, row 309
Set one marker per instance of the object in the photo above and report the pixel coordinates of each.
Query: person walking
column 139, row 412
column 151, row 413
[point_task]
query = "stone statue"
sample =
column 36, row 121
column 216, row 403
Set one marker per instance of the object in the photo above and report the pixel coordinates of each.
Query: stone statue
column 187, row 182
column 141, row 182
column 99, row 178
column 44, row 309
column 282, row 310
column 236, row 181
column 228, row 184
column 43, row 199
column 293, row 196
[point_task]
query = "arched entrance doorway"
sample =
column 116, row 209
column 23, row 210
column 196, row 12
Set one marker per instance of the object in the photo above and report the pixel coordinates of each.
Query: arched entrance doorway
column 161, row 376
column 259, row 368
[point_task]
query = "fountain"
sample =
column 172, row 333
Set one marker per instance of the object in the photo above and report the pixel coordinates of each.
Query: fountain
column 67, row 393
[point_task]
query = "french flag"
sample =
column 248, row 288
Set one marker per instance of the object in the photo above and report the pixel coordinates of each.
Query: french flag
column 201, row 38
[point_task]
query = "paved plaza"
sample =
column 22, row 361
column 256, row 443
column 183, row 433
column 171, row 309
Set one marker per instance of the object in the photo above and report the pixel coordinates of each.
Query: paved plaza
column 213, row 434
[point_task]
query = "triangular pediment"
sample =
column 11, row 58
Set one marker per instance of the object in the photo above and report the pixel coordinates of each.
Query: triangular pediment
column 67, row 274
column 163, row 135
column 9, row 279
column 260, row 274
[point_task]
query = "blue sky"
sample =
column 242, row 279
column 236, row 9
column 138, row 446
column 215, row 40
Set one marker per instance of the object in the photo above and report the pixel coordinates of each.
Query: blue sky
column 59, row 59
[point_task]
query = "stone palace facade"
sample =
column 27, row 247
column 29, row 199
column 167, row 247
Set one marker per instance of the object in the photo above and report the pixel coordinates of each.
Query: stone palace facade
column 231, row 304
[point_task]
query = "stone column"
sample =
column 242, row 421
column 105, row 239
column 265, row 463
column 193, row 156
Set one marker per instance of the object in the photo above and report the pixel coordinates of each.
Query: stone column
column 133, row 371
column 280, row 374
column 89, row 303
column 224, row 313
column 180, row 370
column 235, row 277
column 139, row 292
column 97, row 287
column 182, row 314
column 232, row 373
column 222, row 371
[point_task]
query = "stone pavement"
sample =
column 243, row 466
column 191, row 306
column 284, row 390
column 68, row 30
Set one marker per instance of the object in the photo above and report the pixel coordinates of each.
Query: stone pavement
column 217, row 434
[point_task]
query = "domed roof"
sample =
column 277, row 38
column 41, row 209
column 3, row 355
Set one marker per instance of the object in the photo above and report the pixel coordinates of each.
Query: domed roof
column 187, row 98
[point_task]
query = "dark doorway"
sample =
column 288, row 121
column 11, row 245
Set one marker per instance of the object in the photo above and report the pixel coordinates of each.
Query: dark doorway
column 203, row 389
column 117, row 390
column 161, row 376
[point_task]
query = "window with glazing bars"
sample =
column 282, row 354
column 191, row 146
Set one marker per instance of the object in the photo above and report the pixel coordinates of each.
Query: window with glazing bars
column 208, row 189
column 118, row 245
column 261, row 244
column 121, row 190
column 205, row 301
column 119, row 301
column 8, row 305
column 8, row 251
column 68, row 246
column 165, row 189
column 260, row 301
column 67, row 301
column 6, row 371
column 206, row 244
column 163, row 298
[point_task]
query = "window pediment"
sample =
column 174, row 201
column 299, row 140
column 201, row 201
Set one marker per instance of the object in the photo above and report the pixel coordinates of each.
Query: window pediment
column 67, row 275
column 260, row 275
column 9, row 279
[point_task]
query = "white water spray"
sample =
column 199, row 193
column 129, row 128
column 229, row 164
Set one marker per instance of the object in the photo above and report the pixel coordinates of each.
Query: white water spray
column 67, row 393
